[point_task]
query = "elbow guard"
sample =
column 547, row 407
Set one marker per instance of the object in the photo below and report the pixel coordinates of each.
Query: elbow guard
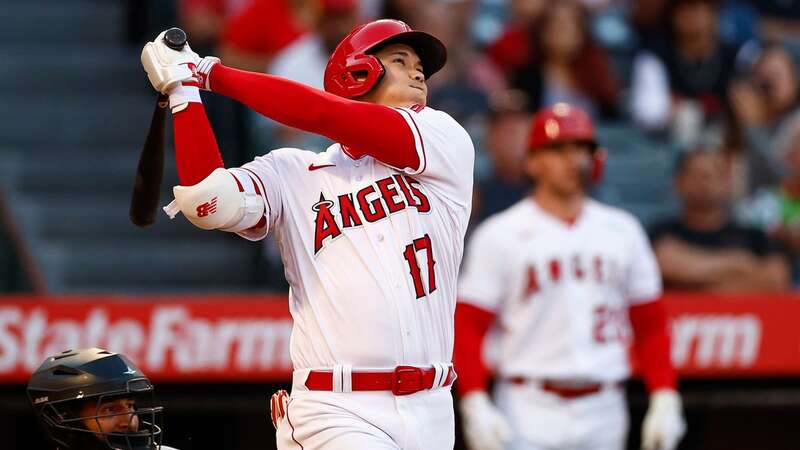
column 220, row 202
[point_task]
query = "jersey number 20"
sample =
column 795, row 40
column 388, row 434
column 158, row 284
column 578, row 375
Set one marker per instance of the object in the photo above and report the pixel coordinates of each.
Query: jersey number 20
column 423, row 243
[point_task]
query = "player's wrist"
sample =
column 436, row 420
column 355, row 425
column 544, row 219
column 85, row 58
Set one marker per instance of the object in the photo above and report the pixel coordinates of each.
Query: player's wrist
column 476, row 400
column 666, row 397
column 204, row 68
column 181, row 96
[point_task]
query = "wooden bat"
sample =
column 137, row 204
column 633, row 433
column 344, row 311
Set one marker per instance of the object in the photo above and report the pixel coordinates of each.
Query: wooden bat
column 150, row 171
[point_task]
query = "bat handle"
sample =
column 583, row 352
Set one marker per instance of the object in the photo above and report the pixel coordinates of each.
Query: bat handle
column 175, row 38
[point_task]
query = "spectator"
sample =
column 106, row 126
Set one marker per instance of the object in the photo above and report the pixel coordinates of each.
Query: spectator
column 406, row 10
column 514, row 48
column 260, row 29
column 203, row 20
column 681, row 81
column 506, row 141
column 761, row 102
column 566, row 64
column 738, row 21
column 776, row 210
column 703, row 249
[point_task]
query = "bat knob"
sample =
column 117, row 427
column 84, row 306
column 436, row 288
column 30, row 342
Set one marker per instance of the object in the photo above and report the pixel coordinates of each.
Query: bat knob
column 175, row 38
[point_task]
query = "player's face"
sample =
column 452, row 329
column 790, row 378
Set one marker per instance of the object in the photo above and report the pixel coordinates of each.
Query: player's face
column 561, row 168
column 704, row 182
column 403, row 84
column 113, row 416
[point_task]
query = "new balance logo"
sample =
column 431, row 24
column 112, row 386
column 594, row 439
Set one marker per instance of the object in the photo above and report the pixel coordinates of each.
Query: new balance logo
column 207, row 208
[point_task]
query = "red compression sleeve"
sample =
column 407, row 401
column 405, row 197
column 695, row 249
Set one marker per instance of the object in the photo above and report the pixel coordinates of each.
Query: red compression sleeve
column 472, row 324
column 196, row 151
column 365, row 128
column 652, row 345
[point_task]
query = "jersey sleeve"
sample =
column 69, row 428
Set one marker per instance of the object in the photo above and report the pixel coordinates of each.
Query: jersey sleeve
column 643, row 277
column 446, row 153
column 262, row 175
column 484, row 276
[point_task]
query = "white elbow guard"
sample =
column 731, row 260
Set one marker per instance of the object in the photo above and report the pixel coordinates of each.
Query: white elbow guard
column 219, row 202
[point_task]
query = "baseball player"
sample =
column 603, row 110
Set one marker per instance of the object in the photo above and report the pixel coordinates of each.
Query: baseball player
column 370, row 231
column 559, row 277
column 93, row 399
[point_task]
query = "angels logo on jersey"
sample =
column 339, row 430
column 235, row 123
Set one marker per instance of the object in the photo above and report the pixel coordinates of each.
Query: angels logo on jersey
column 598, row 269
column 370, row 204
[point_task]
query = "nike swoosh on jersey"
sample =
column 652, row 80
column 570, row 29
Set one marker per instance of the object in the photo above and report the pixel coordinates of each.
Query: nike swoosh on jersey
column 312, row 167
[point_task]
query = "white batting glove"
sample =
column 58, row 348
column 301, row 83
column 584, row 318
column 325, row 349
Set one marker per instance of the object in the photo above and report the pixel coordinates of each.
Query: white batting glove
column 485, row 428
column 663, row 425
column 277, row 407
column 167, row 68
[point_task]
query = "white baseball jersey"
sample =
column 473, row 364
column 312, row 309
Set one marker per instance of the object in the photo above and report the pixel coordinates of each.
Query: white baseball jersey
column 371, row 253
column 560, row 291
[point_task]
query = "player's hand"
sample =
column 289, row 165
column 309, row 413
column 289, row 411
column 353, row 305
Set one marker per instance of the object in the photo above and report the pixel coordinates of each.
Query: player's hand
column 663, row 425
column 485, row 428
column 167, row 68
column 277, row 407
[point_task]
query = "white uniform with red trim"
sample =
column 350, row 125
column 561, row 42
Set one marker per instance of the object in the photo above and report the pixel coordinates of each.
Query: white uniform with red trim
column 561, row 293
column 372, row 255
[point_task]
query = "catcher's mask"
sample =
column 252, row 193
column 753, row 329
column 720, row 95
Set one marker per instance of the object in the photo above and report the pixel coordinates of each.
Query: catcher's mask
column 94, row 399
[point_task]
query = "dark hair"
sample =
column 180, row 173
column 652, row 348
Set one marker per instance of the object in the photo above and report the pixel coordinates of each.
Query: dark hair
column 590, row 69
column 684, row 158
column 675, row 5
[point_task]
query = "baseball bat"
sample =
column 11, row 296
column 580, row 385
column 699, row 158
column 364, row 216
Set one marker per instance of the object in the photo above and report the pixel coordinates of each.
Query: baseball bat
column 150, row 171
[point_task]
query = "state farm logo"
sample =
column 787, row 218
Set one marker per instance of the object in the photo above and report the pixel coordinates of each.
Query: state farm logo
column 715, row 340
column 168, row 339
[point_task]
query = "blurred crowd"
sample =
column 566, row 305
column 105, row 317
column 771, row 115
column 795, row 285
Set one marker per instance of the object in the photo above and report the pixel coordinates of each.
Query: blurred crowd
column 717, row 79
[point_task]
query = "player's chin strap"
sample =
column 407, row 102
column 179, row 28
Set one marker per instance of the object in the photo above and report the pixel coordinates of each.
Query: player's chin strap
column 222, row 201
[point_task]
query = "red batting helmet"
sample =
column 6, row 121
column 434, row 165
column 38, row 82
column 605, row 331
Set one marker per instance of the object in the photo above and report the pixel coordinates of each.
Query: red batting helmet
column 562, row 123
column 353, row 56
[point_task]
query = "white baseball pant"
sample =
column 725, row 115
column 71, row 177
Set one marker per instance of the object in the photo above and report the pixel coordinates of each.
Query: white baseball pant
column 317, row 420
column 543, row 420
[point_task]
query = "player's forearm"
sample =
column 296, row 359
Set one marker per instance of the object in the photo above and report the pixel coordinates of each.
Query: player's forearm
column 772, row 273
column 196, row 150
column 652, row 345
column 764, row 274
column 686, row 265
column 365, row 128
column 472, row 324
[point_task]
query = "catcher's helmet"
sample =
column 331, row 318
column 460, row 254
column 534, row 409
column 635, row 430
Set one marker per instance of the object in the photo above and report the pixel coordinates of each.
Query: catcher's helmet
column 63, row 385
column 354, row 56
column 563, row 123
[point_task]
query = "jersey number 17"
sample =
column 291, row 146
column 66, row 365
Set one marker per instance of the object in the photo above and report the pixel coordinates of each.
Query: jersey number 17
column 410, row 254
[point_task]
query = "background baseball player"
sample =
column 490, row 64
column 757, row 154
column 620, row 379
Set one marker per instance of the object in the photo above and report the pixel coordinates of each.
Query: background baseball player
column 559, row 275
column 93, row 399
column 370, row 231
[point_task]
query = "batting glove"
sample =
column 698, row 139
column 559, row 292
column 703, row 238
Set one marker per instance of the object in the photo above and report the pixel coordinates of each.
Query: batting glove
column 277, row 407
column 167, row 68
column 663, row 425
column 485, row 428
